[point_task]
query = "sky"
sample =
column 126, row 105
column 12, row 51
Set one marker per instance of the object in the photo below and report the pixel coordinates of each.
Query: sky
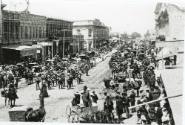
column 121, row 15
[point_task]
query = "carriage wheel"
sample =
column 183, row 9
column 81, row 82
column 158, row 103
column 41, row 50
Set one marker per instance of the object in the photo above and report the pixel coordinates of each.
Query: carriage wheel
column 68, row 113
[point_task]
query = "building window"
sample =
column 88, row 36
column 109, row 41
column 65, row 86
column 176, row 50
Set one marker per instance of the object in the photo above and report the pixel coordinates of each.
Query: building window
column 40, row 32
column 36, row 32
column 90, row 32
column 43, row 33
column 22, row 31
column 17, row 32
column 30, row 32
column 26, row 32
column 33, row 32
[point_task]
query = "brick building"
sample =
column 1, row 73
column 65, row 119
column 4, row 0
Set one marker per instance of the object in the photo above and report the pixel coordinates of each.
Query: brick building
column 26, row 35
column 32, row 28
column 20, row 30
column 60, row 33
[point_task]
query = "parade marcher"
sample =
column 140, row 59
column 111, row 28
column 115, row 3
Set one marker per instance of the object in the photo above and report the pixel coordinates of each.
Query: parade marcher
column 94, row 97
column 61, row 81
column 166, row 119
column 119, row 107
column 149, row 95
column 69, row 81
column 12, row 94
column 108, row 108
column 132, row 99
column 1, row 80
column 86, row 97
column 48, row 80
column 37, row 80
column 76, row 99
column 44, row 91
column 86, row 69
column 16, row 80
column 125, row 100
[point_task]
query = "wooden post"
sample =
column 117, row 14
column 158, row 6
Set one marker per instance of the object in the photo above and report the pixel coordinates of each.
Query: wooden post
column 41, row 99
column 155, row 101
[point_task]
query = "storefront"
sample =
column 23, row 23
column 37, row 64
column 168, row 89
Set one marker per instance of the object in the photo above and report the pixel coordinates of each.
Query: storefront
column 18, row 53
column 47, row 50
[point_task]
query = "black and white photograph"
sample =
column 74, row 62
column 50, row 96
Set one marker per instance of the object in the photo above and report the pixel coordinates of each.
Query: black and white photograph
column 92, row 61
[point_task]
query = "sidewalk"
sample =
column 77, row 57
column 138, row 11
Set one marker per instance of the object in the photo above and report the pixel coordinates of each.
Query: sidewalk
column 173, row 81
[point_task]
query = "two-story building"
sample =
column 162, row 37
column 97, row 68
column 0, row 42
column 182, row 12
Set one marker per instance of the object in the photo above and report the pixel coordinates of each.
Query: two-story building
column 170, row 21
column 59, row 32
column 94, row 32
column 26, row 35
column 20, row 30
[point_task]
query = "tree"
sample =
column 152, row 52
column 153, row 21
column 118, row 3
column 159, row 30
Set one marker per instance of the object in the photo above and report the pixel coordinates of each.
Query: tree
column 135, row 35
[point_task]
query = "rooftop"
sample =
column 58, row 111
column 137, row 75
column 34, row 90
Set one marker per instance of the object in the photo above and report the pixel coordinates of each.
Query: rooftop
column 93, row 22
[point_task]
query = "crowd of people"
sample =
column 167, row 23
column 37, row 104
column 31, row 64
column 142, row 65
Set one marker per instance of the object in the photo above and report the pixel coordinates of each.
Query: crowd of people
column 135, row 83
column 56, row 72
column 130, row 90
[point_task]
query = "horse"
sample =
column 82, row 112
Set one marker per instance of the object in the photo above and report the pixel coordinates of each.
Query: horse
column 12, row 95
column 4, row 94
column 37, row 115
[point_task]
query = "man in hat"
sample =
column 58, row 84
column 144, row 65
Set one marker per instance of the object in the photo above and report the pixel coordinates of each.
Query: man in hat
column 94, row 97
column 86, row 69
column 108, row 107
column 86, row 97
column 149, row 95
column 119, row 107
column 76, row 99
column 132, row 99
column 38, row 80
column 166, row 118
column 125, row 104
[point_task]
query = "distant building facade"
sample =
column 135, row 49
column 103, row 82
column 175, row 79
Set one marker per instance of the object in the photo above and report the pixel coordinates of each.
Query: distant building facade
column 94, row 32
column 78, row 44
column 170, row 22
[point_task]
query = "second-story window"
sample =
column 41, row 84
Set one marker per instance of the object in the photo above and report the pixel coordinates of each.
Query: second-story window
column 26, row 32
column 40, row 32
column 90, row 32
column 30, row 32
column 21, row 32
column 78, row 31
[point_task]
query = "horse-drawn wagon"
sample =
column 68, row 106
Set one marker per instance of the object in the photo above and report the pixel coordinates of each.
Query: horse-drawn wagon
column 80, row 114
column 23, row 113
column 26, row 114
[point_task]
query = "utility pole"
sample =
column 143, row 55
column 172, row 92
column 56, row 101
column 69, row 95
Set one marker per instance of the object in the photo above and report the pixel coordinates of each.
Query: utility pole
column 63, row 44
column 79, row 45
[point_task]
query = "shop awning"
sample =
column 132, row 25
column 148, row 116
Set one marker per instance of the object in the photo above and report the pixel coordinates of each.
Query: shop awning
column 165, row 53
column 24, row 50
column 45, row 43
